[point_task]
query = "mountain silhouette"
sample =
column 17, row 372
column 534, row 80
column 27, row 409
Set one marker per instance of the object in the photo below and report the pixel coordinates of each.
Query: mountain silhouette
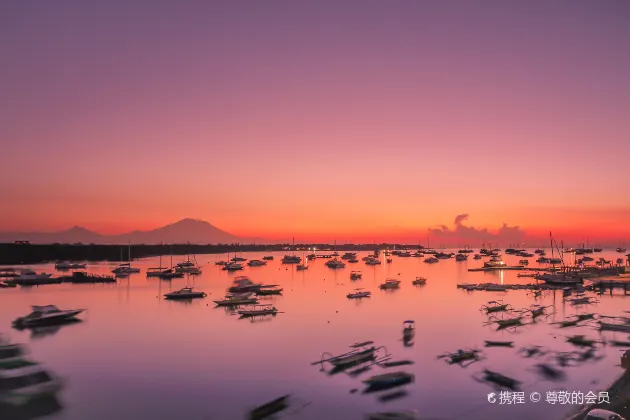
column 183, row 231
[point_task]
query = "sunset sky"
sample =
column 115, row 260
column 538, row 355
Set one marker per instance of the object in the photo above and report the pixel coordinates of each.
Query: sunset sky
column 356, row 120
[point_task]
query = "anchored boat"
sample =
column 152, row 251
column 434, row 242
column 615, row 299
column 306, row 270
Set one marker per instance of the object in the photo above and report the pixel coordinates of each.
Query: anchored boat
column 185, row 293
column 46, row 315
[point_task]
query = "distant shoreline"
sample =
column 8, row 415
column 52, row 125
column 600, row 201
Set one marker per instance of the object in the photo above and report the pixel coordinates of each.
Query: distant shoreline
column 19, row 254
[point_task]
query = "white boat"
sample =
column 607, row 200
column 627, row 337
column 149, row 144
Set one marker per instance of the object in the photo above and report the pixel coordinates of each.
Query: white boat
column 185, row 293
column 256, row 263
column 291, row 259
column 335, row 264
column 390, row 284
column 495, row 262
column 236, row 299
column 360, row 293
column 258, row 310
column 46, row 315
column 22, row 381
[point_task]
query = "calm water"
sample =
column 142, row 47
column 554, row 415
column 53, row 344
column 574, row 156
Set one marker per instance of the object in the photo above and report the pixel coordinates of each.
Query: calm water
column 139, row 356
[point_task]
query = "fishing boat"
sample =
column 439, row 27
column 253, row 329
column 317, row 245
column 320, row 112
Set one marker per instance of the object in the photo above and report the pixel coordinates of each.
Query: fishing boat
column 236, row 299
column 360, row 354
column 495, row 306
column 386, row 380
column 185, row 293
column 500, row 380
column 242, row 284
column 46, row 315
column 359, row 294
column 268, row 291
column 393, row 415
column 258, row 310
column 267, row 410
column 390, row 284
column 356, row 275
column 461, row 355
column 256, row 263
column 419, row 281
column 22, row 381
column 335, row 264
column 560, row 278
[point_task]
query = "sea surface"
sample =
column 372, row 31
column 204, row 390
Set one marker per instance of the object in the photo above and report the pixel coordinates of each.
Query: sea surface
column 138, row 356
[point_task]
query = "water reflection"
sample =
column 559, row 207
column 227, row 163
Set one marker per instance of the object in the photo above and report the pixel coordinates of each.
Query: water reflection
column 33, row 410
column 50, row 330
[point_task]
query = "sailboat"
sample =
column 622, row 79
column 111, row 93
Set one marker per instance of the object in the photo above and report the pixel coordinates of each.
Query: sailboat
column 188, row 266
column 159, row 270
column 561, row 277
column 126, row 268
column 304, row 266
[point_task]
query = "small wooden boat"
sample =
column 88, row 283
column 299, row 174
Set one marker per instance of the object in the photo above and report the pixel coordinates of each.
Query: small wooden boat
column 461, row 355
column 581, row 341
column 268, row 291
column 258, row 310
column 389, row 379
column 512, row 322
column 419, row 281
column 409, row 328
column 494, row 306
column 236, row 299
column 499, row 343
column 267, row 410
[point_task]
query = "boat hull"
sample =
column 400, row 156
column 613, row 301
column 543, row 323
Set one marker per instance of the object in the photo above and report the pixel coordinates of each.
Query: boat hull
column 59, row 319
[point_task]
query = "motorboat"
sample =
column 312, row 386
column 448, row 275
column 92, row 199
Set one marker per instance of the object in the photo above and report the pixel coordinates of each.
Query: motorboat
column 620, row 249
column 220, row 263
column 258, row 310
column 386, row 380
column 27, row 275
column 232, row 266
column 125, row 269
column 419, row 281
column 542, row 260
column 185, row 293
column 358, row 294
column 238, row 259
column 335, row 264
column 291, row 259
column 431, row 260
column 495, row 262
column 256, row 263
column 390, row 284
column 46, row 315
column 523, row 262
column 356, row 275
column 22, row 381
column 236, row 299
column 461, row 257
column 443, row 256
column 405, row 254
column 417, row 254
column 243, row 284
column 158, row 271
column 268, row 258
column 354, row 260
column 349, row 256
column 372, row 261
column 301, row 267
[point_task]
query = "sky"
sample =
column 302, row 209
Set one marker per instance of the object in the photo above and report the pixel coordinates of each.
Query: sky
column 356, row 120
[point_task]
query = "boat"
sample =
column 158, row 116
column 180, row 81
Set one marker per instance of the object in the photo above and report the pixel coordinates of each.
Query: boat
column 221, row 263
column 477, row 257
column 494, row 306
column 499, row 343
column 10, row 352
column 238, row 259
column 301, row 267
column 443, row 256
column 185, row 293
column 461, row 257
column 232, row 266
column 461, row 355
column 409, row 328
column 349, row 256
column 389, row 261
column 354, row 260
column 372, row 261
column 243, row 284
column 22, row 381
column 404, row 254
column 390, row 284
column 267, row 291
column 267, row 410
column 431, row 260
column 79, row 277
column 356, row 275
column 597, row 249
column 335, row 264
column 542, row 260
column 236, row 299
column 27, row 276
column 353, row 357
column 559, row 278
column 126, row 268
column 291, row 259
column 46, row 315
column 526, row 274
column 607, row 326
column 258, row 310
column 393, row 415
column 65, row 265
column 495, row 262
column 389, row 379
column 256, row 263
column 419, row 281
column 620, row 249
column 268, row 258
column 360, row 293
column 523, row 262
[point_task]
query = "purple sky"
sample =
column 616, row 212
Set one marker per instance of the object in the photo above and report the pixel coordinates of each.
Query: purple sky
column 315, row 117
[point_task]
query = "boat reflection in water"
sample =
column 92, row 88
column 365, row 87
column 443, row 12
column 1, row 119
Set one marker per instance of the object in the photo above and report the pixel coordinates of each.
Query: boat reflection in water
column 50, row 330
